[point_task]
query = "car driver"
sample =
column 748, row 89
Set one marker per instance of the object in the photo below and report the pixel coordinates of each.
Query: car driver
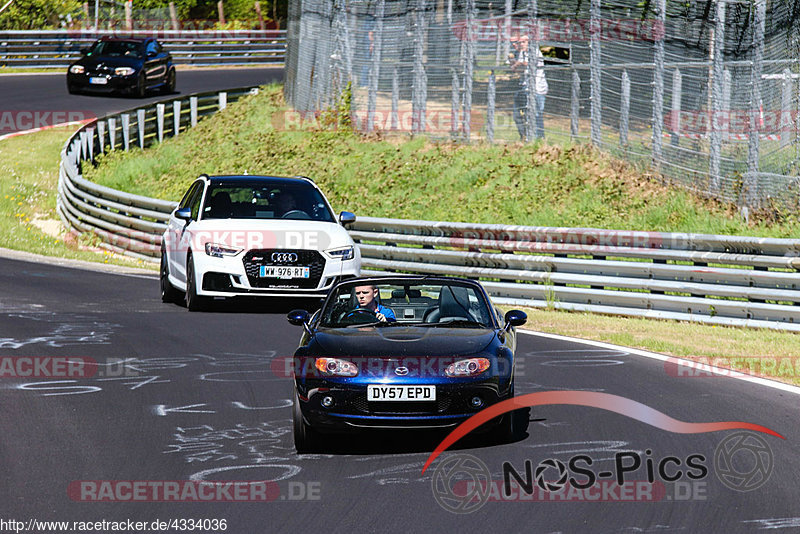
column 367, row 296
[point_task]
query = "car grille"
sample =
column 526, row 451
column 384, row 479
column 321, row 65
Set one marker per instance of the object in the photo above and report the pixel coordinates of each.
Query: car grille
column 360, row 403
column 306, row 258
column 100, row 70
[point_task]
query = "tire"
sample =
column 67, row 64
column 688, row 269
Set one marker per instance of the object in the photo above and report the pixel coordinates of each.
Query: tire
column 169, row 83
column 168, row 292
column 512, row 425
column 71, row 89
column 194, row 302
column 140, row 90
column 306, row 438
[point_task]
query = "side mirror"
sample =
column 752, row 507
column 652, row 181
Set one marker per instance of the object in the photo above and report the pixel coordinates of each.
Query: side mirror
column 346, row 218
column 184, row 214
column 515, row 318
column 151, row 54
column 299, row 318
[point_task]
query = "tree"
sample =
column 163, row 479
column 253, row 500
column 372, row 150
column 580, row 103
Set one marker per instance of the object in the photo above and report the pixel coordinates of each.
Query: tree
column 38, row 14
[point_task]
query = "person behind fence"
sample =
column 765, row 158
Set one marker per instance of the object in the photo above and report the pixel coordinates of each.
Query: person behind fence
column 519, row 63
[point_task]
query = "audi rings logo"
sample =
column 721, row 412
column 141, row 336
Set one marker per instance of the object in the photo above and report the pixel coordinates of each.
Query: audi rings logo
column 743, row 461
column 284, row 257
column 401, row 371
column 455, row 469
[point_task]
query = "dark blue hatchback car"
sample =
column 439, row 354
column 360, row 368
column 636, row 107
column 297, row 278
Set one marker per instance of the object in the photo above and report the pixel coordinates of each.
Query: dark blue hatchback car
column 401, row 352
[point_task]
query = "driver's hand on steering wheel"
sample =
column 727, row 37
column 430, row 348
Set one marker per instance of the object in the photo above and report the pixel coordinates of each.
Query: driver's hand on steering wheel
column 381, row 317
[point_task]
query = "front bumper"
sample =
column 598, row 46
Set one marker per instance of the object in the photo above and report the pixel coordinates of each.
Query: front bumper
column 351, row 409
column 114, row 83
column 232, row 276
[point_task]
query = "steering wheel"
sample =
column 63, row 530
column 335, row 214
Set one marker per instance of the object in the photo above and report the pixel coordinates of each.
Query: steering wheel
column 295, row 214
column 358, row 315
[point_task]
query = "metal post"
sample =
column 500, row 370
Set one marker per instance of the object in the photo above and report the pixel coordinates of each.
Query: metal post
column 454, row 105
column 140, row 126
column 160, row 121
column 507, row 30
column 101, row 135
column 419, row 89
column 718, row 66
column 375, row 67
column 84, row 144
column 468, row 69
column 575, row 112
column 531, row 110
column 490, row 97
column 753, row 152
column 193, row 110
column 223, row 100
column 677, row 96
column 90, row 143
column 785, row 123
column 126, row 131
column 595, row 68
column 726, row 101
column 658, row 87
column 176, row 118
column 112, row 132
column 625, row 107
column 395, row 99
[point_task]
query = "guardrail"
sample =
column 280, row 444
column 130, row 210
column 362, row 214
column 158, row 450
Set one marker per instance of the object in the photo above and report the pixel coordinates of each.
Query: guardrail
column 58, row 48
column 726, row 280
column 127, row 223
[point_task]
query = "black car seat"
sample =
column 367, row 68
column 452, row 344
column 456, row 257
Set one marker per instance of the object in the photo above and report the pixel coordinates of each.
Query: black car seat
column 453, row 305
column 221, row 206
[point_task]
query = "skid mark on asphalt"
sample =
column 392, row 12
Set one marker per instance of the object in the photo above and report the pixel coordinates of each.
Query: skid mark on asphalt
column 61, row 330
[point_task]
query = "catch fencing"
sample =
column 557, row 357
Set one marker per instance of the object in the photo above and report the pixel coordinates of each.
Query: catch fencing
column 56, row 49
column 703, row 93
column 726, row 280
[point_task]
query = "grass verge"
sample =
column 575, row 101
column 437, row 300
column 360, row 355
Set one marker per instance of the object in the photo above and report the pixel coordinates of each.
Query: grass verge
column 29, row 166
column 568, row 185
column 757, row 352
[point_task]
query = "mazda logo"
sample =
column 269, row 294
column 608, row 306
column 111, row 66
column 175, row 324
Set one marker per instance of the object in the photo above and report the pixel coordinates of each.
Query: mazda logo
column 284, row 257
column 401, row 371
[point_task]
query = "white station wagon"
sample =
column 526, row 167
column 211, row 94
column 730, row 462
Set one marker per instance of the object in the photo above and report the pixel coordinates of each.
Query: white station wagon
column 254, row 236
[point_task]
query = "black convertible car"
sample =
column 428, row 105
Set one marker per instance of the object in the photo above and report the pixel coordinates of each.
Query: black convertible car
column 122, row 65
column 402, row 352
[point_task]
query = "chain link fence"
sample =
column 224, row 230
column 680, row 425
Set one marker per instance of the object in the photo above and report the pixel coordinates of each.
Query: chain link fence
column 703, row 92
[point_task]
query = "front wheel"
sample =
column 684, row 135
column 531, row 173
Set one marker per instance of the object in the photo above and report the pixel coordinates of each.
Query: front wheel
column 169, row 84
column 194, row 302
column 140, row 90
column 305, row 437
column 168, row 292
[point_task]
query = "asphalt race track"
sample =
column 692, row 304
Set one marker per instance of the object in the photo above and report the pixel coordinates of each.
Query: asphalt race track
column 203, row 396
column 48, row 92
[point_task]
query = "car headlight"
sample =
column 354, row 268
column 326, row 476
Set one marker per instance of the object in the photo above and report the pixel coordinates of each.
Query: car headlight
column 336, row 367
column 124, row 71
column 218, row 251
column 77, row 69
column 470, row 367
column 344, row 253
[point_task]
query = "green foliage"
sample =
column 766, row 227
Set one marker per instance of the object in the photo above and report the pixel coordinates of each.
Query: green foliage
column 37, row 14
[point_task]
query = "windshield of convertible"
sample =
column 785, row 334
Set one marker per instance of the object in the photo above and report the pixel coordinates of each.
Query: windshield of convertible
column 398, row 303
column 259, row 200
